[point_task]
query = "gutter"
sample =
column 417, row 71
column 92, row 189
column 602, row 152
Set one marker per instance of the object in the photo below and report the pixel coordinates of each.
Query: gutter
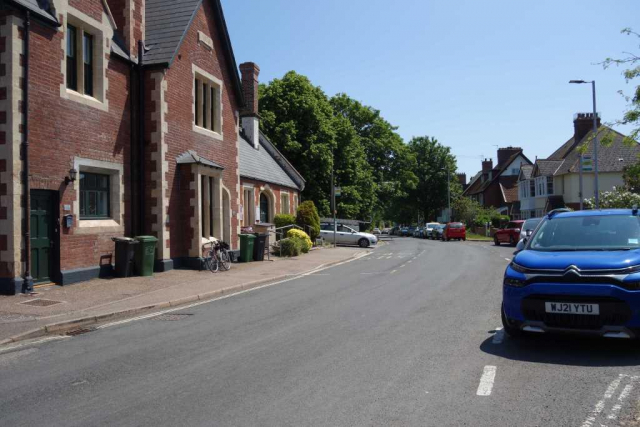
column 27, row 285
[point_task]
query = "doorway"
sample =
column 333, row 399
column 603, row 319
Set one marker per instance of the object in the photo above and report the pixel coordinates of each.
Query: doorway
column 264, row 208
column 44, row 235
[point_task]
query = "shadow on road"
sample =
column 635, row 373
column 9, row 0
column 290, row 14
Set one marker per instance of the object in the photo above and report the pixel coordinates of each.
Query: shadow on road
column 566, row 350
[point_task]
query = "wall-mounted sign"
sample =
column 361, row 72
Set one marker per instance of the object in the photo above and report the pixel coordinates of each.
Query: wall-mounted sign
column 587, row 163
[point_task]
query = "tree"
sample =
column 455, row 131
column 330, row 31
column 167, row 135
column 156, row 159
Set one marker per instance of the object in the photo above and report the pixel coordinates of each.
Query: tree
column 619, row 198
column 298, row 118
column 433, row 164
column 632, row 115
column 307, row 217
column 631, row 176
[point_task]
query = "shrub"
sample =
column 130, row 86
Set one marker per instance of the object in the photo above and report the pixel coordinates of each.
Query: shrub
column 305, row 241
column 290, row 247
column 282, row 220
column 308, row 219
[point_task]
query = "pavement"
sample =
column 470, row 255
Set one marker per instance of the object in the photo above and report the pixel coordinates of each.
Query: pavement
column 409, row 335
column 55, row 309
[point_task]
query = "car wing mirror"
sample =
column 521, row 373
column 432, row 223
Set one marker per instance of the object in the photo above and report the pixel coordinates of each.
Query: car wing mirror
column 529, row 233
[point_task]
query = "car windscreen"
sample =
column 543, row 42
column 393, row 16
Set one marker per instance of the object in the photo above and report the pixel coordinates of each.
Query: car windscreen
column 531, row 224
column 588, row 233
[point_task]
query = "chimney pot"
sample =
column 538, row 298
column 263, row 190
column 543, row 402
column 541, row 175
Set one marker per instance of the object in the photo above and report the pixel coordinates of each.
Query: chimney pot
column 582, row 124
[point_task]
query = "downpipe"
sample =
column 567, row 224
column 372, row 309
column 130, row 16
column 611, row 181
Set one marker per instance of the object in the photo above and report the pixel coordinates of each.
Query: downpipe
column 27, row 285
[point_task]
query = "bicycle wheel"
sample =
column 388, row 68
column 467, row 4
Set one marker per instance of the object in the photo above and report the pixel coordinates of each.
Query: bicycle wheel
column 224, row 260
column 211, row 263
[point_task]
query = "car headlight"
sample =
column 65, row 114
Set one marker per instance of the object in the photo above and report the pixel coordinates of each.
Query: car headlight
column 518, row 268
column 632, row 286
column 514, row 283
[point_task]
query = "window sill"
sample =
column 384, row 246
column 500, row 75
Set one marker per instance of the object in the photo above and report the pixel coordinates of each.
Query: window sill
column 207, row 132
column 86, row 100
column 95, row 226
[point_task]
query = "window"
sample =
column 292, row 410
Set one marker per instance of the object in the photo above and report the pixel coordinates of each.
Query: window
column 88, row 64
column 284, row 203
column 207, row 105
column 94, row 196
column 549, row 185
column 72, row 58
column 80, row 61
column 207, row 205
column 532, row 188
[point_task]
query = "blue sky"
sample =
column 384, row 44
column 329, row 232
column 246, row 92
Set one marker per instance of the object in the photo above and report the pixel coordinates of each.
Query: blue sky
column 473, row 74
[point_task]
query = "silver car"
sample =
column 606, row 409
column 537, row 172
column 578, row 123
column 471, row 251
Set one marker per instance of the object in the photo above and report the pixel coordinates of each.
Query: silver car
column 526, row 230
column 347, row 236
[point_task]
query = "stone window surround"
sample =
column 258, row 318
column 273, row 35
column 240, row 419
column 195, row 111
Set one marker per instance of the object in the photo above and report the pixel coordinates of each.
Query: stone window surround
column 285, row 195
column 249, row 204
column 102, row 33
column 266, row 190
column 199, row 171
column 208, row 78
column 115, row 172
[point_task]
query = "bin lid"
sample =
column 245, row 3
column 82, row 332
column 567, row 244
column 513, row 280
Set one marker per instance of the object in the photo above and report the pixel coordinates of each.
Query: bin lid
column 124, row 239
column 248, row 236
column 146, row 238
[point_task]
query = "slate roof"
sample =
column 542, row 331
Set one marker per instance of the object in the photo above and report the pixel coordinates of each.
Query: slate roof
column 478, row 186
column 612, row 158
column 267, row 164
column 43, row 9
column 525, row 171
column 167, row 23
column 190, row 157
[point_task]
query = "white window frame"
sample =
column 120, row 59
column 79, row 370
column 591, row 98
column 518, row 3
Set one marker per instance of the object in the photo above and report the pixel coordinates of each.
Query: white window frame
column 209, row 81
column 550, row 181
column 116, row 197
column 285, row 196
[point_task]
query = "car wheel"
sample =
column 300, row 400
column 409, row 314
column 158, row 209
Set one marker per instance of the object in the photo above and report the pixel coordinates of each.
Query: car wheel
column 510, row 330
column 512, row 241
column 363, row 243
column 464, row 239
column 496, row 241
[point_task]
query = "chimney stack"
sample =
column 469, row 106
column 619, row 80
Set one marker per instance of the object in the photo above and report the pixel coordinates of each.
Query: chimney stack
column 462, row 178
column 249, row 114
column 487, row 165
column 505, row 153
column 582, row 124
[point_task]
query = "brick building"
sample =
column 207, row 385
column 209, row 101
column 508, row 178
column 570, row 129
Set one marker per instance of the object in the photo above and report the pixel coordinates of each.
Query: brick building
column 125, row 117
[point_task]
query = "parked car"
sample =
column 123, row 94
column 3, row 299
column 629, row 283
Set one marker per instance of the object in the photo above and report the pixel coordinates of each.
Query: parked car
column 386, row 231
column 454, row 230
column 347, row 236
column 527, row 229
column 436, row 233
column 404, row 231
column 411, row 229
column 509, row 234
column 376, row 231
column 579, row 272
column 429, row 229
column 417, row 232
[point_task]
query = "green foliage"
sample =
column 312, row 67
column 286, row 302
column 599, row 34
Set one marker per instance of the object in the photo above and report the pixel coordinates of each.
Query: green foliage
column 290, row 247
column 631, row 176
column 308, row 218
column 282, row 220
column 619, row 198
column 632, row 115
column 305, row 241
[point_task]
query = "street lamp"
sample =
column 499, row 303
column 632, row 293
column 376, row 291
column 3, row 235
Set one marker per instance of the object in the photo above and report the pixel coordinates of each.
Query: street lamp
column 448, row 193
column 595, row 141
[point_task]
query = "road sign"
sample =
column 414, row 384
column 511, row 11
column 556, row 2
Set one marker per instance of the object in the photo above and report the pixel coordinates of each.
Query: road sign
column 337, row 191
column 587, row 163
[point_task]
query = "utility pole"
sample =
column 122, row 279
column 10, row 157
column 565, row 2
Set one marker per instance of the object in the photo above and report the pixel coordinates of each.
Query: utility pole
column 333, row 200
column 595, row 144
column 580, row 189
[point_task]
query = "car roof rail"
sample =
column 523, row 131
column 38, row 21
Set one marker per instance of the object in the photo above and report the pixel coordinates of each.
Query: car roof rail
column 554, row 212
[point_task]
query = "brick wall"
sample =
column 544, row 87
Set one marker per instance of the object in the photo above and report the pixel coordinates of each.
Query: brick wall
column 271, row 189
column 181, row 137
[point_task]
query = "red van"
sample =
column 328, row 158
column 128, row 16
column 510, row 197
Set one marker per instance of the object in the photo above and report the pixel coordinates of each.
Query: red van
column 454, row 230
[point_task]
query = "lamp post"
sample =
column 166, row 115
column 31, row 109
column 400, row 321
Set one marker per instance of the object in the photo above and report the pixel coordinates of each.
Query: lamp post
column 595, row 142
column 448, row 193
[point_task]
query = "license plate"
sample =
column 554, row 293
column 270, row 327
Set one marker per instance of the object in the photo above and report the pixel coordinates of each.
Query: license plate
column 572, row 308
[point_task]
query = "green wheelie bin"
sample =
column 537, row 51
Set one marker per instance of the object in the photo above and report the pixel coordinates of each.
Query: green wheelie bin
column 145, row 255
column 246, row 247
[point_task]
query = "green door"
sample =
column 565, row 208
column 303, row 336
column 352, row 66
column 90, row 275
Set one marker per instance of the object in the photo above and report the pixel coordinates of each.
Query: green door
column 42, row 233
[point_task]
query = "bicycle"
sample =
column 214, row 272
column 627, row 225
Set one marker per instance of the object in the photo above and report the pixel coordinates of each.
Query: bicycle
column 216, row 256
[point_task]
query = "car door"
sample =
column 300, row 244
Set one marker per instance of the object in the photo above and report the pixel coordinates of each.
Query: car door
column 349, row 236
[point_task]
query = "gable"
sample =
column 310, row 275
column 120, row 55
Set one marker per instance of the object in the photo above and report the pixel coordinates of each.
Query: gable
column 513, row 168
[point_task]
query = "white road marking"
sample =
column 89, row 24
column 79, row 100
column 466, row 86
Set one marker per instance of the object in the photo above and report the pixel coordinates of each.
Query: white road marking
column 28, row 343
column 410, row 261
column 498, row 337
column 623, row 396
column 209, row 301
column 486, row 381
column 393, row 271
column 589, row 422
column 508, row 259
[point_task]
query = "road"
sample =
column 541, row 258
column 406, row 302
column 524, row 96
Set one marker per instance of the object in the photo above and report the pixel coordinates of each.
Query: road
column 408, row 335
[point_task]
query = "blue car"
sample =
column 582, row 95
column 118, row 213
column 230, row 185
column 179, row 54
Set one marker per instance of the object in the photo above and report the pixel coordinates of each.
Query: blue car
column 579, row 272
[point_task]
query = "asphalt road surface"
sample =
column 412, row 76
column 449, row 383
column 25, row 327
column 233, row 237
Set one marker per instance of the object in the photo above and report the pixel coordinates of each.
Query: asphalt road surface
column 408, row 335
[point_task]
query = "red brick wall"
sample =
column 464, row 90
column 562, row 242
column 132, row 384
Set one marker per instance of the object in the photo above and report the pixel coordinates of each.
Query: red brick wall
column 62, row 129
column 181, row 137
column 6, row 265
column 276, row 189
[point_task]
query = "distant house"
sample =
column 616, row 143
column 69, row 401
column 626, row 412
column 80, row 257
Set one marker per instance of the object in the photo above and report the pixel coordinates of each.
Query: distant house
column 497, row 186
column 554, row 182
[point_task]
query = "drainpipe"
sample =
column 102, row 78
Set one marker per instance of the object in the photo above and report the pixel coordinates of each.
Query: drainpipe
column 132, row 145
column 141, row 136
column 28, row 280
